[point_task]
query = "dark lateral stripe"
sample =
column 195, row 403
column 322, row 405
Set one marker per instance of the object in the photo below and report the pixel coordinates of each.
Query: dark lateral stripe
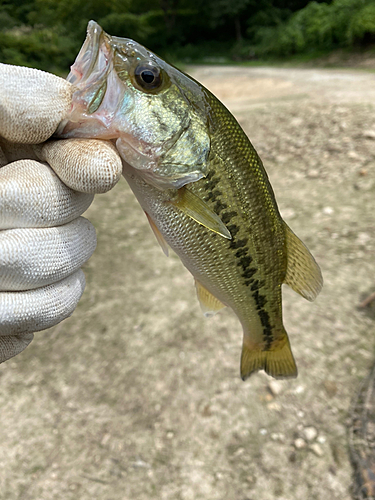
column 238, row 243
column 233, row 229
column 213, row 195
column 255, row 285
column 260, row 300
column 249, row 272
column 219, row 206
column 226, row 217
column 241, row 251
column 267, row 328
column 210, row 185
column 244, row 262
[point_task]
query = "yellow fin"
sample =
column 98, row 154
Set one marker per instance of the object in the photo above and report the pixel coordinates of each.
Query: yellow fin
column 159, row 236
column 278, row 362
column 210, row 305
column 303, row 274
column 195, row 208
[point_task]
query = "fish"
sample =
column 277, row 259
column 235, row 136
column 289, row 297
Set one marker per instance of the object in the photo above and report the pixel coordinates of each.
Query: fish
column 202, row 186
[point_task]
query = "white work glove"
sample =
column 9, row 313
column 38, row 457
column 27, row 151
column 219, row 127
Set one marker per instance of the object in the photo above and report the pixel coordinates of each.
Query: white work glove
column 43, row 191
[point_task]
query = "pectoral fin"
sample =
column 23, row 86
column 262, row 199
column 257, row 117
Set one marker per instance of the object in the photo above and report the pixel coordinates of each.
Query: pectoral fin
column 195, row 208
column 303, row 273
column 159, row 236
column 210, row 305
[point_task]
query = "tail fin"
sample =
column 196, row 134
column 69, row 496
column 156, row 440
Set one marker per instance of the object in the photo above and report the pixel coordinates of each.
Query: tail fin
column 277, row 362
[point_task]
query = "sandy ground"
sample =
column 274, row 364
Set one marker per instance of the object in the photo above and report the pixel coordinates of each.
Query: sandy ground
column 137, row 396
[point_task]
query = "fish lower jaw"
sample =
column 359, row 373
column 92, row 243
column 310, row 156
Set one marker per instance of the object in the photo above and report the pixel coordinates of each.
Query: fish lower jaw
column 80, row 125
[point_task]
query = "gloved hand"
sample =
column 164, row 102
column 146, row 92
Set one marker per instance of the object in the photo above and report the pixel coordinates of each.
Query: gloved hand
column 44, row 188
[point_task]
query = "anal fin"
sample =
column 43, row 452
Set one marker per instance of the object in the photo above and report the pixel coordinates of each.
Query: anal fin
column 159, row 236
column 210, row 305
column 195, row 208
column 303, row 274
column 278, row 362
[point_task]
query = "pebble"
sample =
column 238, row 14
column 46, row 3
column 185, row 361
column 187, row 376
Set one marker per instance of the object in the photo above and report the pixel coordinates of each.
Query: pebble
column 278, row 436
column 275, row 387
column 299, row 443
column 313, row 173
column 363, row 238
column 331, row 387
column 316, row 449
column 274, row 406
column 139, row 463
column 288, row 213
column 296, row 122
column 328, row 210
column 369, row 134
column 281, row 158
column 310, row 433
column 353, row 155
column 105, row 439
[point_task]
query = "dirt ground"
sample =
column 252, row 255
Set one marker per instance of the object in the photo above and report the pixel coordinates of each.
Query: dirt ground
column 137, row 396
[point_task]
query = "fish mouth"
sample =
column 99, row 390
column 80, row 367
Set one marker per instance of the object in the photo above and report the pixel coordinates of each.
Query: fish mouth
column 88, row 76
column 88, row 56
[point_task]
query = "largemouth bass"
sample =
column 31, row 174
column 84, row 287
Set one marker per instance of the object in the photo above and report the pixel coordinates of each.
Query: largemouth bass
column 202, row 185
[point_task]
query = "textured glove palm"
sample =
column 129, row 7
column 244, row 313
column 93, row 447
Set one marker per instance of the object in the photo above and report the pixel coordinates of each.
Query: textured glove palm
column 44, row 188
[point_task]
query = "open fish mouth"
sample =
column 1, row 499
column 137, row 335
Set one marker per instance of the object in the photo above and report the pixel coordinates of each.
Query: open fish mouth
column 88, row 56
column 89, row 77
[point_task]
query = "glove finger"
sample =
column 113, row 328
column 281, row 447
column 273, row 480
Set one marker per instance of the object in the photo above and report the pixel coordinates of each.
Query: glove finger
column 32, row 103
column 32, row 258
column 31, row 195
column 11, row 345
column 3, row 159
column 86, row 165
column 34, row 310
column 14, row 151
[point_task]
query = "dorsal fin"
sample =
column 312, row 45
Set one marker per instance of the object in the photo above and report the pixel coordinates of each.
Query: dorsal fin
column 303, row 273
column 159, row 236
column 210, row 305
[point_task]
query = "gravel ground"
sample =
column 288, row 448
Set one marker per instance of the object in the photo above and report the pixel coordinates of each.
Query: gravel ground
column 137, row 396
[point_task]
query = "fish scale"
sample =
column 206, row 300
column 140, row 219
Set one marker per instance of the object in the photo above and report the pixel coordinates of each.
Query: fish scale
column 202, row 185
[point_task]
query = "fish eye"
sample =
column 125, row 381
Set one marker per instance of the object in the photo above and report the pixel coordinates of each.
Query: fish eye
column 148, row 76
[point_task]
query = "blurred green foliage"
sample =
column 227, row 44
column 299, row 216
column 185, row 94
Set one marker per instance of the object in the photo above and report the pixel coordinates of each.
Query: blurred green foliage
column 47, row 34
column 320, row 26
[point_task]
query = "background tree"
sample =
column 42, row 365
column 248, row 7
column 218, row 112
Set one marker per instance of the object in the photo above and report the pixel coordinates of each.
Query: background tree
column 47, row 34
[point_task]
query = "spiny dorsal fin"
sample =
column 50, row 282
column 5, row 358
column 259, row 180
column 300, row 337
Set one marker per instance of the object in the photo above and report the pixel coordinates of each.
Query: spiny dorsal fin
column 210, row 305
column 303, row 273
column 159, row 236
column 277, row 362
column 195, row 208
